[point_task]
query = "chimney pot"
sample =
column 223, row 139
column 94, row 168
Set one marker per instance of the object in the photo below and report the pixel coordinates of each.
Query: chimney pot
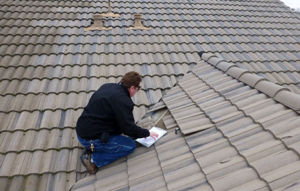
column 138, row 25
column 138, row 20
column 97, row 24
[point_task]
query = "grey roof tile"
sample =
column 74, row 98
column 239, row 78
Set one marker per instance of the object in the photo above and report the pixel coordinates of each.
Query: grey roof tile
column 39, row 182
column 251, row 79
column 184, row 178
column 214, row 155
column 293, row 100
column 43, row 58
column 289, row 173
column 167, row 155
column 262, row 108
column 149, row 183
column 247, row 134
column 211, row 138
column 179, row 167
column 113, row 179
column 234, row 179
column 225, row 166
column 282, row 160
column 39, row 162
column 169, row 121
column 252, row 185
column 141, row 169
column 278, row 130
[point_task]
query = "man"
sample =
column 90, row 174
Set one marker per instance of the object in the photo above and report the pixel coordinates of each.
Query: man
column 107, row 116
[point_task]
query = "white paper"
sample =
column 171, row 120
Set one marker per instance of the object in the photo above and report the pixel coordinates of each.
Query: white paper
column 148, row 141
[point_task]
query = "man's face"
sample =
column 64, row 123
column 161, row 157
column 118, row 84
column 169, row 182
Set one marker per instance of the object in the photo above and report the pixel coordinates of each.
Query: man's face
column 133, row 89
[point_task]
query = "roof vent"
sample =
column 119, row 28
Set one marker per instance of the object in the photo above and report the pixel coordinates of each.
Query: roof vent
column 138, row 25
column 110, row 13
column 97, row 24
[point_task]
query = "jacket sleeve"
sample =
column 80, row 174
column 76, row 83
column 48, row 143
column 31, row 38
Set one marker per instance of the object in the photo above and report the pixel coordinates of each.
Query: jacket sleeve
column 123, row 113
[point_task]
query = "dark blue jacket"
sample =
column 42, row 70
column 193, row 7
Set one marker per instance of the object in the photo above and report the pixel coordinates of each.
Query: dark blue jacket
column 109, row 112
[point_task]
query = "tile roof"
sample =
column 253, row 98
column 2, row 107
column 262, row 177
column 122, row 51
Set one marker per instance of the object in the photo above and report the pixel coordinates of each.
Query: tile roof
column 252, row 141
column 170, row 165
column 232, row 137
column 49, row 67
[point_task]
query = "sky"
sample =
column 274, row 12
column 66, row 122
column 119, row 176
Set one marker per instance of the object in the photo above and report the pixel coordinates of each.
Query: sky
column 292, row 3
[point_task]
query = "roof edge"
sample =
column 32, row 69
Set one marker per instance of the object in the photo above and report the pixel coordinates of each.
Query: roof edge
column 275, row 91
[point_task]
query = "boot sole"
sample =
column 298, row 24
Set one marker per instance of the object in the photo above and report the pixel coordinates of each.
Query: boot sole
column 84, row 164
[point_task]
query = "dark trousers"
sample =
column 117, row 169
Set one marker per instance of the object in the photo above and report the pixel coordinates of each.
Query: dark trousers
column 105, row 153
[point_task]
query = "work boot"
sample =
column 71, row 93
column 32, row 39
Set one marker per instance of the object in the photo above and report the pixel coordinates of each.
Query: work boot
column 86, row 151
column 86, row 161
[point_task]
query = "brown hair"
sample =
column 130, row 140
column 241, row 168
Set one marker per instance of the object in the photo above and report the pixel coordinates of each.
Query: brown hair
column 131, row 79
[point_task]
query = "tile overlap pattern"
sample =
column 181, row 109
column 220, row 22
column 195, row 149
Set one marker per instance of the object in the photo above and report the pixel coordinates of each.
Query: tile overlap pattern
column 248, row 141
column 169, row 165
column 252, row 142
column 262, row 37
column 49, row 67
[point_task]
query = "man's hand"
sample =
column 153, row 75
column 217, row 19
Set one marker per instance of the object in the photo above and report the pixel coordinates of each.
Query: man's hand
column 153, row 135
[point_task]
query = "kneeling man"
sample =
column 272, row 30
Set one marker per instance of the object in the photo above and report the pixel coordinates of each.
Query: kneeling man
column 106, row 117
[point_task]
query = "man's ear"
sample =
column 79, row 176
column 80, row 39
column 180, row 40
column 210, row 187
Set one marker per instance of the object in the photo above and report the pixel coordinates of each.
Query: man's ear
column 131, row 91
column 131, row 88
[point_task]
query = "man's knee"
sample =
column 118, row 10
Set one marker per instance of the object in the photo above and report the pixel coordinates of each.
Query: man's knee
column 126, row 144
column 131, row 145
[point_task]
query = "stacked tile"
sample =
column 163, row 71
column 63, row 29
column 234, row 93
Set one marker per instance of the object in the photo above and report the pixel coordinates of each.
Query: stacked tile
column 253, row 142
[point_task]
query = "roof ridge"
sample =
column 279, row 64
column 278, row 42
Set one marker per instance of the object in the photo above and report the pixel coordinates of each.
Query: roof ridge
column 282, row 9
column 142, row 43
column 275, row 91
column 154, row 26
column 130, row 19
column 147, row 34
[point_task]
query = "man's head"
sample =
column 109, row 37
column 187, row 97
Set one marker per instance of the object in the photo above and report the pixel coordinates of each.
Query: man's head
column 132, row 80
